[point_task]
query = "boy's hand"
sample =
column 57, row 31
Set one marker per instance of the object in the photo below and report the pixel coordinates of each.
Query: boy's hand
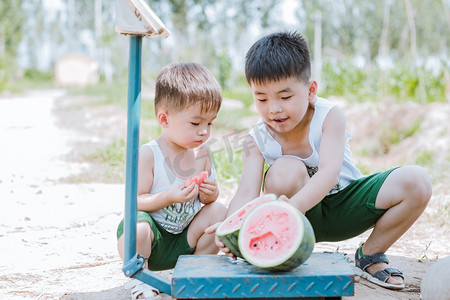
column 212, row 229
column 283, row 198
column 208, row 191
column 181, row 194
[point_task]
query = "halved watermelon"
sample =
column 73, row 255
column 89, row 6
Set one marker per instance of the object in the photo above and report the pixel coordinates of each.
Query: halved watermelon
column 197, row 179
column 228, row 231
column 276, row 236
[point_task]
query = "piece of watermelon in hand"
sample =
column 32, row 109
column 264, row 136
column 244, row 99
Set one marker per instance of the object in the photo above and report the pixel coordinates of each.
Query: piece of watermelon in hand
column 197, row 179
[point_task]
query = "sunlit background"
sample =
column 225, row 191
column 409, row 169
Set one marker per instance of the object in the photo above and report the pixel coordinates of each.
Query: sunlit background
column 63, row 104
column 359, row 48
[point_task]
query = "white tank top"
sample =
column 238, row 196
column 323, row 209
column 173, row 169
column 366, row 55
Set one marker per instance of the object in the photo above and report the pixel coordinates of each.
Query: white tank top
column 271, row 149
column 177, row 216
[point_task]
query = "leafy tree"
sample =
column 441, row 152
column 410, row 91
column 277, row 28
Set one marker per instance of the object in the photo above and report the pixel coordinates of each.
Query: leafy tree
column 11, row 31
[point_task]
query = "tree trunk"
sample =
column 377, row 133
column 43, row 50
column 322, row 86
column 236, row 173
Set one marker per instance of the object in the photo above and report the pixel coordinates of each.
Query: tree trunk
column 446, row 12
column 413, row 39
column 384, row 39
column 318, row 49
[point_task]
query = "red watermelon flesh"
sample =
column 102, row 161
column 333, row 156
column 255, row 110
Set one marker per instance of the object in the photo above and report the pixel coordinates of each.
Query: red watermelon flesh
column 234, row 221
column 197, row 179
column 228, row 231
column 272, row 234
column 276, row 236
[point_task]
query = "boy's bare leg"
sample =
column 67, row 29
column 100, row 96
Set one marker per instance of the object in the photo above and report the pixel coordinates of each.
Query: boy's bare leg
column 278, row 183
column 405, row 194
column 144, row 239
column 210, row 214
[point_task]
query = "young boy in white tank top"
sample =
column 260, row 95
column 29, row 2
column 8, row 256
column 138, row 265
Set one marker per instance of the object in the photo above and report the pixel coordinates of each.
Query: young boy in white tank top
column 172, row 217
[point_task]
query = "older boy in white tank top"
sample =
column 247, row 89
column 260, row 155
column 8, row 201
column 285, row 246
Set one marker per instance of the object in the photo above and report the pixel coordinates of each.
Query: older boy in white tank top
column 304, row 141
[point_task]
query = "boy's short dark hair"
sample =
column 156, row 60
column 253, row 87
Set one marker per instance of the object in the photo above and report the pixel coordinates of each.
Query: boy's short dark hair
column 278, row 56
column 180, row 85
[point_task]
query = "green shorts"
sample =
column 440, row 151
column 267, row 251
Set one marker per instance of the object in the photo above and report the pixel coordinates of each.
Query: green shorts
column 349, row 212
column 166, row 247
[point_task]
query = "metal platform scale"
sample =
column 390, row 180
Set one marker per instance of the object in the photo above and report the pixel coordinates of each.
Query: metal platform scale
column 324, row 275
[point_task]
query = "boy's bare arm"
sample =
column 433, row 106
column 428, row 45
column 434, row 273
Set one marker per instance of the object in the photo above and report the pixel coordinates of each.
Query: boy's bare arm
column 249, row 185
column 331, row 157
column 251, row 178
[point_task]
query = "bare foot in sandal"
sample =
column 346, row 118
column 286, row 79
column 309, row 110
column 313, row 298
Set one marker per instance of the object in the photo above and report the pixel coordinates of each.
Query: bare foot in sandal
column 393, row 279
column 141, row 290
column 375, row 269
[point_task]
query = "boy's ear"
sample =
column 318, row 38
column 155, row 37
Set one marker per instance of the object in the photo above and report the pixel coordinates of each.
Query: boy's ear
column 312, row 91
column 162, row 119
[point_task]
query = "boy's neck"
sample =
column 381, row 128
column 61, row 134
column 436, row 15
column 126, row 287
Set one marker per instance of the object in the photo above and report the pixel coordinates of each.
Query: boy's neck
column 180, row 160
column 170, row 147
column 306, row 121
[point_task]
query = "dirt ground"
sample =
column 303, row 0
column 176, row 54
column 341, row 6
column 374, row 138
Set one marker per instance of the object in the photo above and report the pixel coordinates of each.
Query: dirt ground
column 57, row 235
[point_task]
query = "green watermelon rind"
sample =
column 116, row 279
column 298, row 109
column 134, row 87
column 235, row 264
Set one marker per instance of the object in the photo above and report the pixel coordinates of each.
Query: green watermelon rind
column 302, row 253
column 231, row 239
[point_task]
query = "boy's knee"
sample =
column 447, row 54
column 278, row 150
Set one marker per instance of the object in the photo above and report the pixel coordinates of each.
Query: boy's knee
column 216, row 209
column 286, row 176
column 419, row 184
column 144, row 233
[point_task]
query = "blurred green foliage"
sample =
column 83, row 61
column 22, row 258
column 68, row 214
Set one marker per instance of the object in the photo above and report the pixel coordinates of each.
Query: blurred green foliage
column 38, row 75
column 228, row 164
column 26, row 80
column 111, row 161
column 214, row 32
column 425, row 158
column 111, row 93
column 392, row 135
column 11, row 31
column 371, row 83
column 400, row 83
column 224, row 69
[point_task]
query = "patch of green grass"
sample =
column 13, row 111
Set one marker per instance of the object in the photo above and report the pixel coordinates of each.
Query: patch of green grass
column 445, row 214
column 243, row 95
column 149, row 130
column 228, row 165
column 147, row 109
column 113, row 154
column 115, row 93
column 371, row 83
column 25, row 84
column 111, row 160
column 425, row 158
column 423, row 254
column 366, row 151
column 227, row 121
column 412, row 129
column 393, row 136
column 364, row 169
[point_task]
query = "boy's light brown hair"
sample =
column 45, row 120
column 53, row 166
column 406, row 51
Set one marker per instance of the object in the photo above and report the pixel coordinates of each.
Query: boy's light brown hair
column 180, row 85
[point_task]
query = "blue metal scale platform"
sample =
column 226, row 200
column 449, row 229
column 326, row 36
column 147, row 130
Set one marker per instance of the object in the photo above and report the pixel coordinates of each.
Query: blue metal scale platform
column 323, row 275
